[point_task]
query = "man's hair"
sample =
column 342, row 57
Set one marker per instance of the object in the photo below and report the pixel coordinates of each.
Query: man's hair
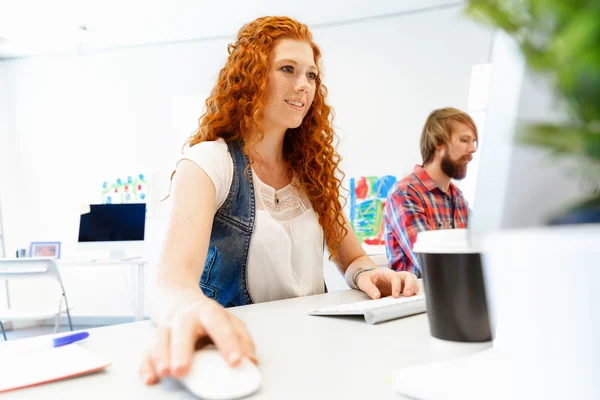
column 438, row 130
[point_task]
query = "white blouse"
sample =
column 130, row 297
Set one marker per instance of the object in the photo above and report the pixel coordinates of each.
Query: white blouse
column 285, row 258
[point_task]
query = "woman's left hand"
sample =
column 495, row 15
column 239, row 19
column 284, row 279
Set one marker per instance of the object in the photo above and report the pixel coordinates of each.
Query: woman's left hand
column 383, row 281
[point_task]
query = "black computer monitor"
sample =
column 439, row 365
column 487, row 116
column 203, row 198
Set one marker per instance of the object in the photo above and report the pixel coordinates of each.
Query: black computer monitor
column 114, row 227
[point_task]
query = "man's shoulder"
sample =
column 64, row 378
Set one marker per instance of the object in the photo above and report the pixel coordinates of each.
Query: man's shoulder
column 407, row 185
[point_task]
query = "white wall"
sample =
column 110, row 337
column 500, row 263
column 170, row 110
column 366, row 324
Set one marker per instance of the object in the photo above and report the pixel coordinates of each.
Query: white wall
column 4, row 129
column 5, row 163
column 386, row 76
column 78, row 120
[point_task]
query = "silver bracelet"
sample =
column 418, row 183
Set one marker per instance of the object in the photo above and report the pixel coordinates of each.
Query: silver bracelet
column 356, row 274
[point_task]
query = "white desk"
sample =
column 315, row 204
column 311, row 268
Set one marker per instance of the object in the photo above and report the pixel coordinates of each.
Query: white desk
column 137, row 285
column 301, row 356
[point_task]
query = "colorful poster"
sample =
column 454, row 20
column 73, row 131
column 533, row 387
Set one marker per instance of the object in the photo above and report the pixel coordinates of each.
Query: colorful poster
column 133, row 189
column 368, row 196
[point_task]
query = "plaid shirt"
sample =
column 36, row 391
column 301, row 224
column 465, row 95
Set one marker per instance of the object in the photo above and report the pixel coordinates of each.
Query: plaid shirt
column 415, row 204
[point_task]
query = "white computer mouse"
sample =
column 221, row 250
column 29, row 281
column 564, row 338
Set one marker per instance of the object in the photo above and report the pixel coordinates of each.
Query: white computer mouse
column 211, row 378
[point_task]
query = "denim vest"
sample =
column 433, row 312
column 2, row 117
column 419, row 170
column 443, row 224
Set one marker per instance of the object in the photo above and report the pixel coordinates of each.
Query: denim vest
column 224, row 277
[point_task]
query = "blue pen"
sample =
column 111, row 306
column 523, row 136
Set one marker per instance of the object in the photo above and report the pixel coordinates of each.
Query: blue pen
column 63, row 340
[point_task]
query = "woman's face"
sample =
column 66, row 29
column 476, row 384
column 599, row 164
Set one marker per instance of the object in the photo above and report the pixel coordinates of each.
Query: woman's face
column 291, row 84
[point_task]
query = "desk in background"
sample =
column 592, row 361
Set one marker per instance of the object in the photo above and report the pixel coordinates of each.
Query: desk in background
column 301, row 356
column 137, row 284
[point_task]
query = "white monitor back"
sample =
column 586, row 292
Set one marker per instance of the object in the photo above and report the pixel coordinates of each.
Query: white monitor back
column 541, row 281
column 517, row 185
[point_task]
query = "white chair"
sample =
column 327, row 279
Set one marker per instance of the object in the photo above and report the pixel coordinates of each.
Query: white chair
column 31, row 268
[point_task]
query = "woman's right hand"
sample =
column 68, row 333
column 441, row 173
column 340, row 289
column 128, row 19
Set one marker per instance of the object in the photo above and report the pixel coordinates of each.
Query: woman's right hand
column 174, row 344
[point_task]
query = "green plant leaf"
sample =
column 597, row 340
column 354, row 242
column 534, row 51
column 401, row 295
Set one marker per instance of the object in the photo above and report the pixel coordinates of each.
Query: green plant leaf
column 558, row 39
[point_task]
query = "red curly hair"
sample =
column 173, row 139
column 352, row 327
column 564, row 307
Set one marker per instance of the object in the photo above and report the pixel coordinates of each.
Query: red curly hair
column 235, row 107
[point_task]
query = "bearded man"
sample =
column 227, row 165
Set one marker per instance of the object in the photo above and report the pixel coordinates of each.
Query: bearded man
column 427, row 199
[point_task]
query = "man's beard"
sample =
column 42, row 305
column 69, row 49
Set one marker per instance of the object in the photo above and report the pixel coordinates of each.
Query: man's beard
column 455, row 169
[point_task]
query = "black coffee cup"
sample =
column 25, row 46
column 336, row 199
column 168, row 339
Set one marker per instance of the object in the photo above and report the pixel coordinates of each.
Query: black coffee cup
column 454, row 286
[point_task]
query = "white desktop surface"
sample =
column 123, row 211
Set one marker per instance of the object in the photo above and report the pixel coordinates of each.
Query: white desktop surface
column 301, row 356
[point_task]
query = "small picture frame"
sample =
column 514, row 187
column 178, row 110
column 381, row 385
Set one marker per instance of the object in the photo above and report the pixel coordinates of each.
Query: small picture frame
column 44, row 249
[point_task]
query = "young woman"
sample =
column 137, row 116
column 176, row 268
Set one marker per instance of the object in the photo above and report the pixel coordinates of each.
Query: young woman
column 255, row 200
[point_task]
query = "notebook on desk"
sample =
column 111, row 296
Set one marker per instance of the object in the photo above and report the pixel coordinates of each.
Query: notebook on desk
column 22, row 367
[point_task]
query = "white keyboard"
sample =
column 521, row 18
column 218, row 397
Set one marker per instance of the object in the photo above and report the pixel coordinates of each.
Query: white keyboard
column 379, row 310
